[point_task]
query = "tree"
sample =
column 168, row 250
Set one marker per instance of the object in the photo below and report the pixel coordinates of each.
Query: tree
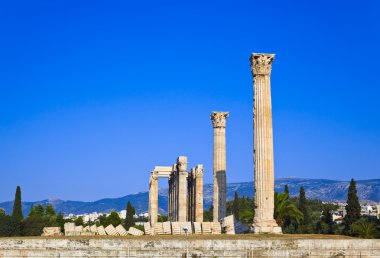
column 302, row 206
column 327, row 219
column 17, row 206
column 284, row 209
column 2, row 212
column 113, row 219
column 352, row 207
column 49, row 210
column 286, row 190
column 60, row 221
column 235, row 206
column 9, row 226
column 363, row 229
column 79, row 221
column 39, row 210
column 129, row 220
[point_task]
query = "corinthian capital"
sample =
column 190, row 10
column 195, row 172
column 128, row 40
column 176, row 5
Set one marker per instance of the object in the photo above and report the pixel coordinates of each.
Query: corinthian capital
column 219, row 118
column 261, row 64
column 182, row 164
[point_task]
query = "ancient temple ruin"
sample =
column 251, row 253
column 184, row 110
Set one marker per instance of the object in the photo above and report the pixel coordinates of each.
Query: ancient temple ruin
column 185, row 197
column 185, row 194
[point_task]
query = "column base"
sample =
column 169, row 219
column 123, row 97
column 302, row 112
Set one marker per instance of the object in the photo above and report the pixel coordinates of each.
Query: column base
column 266, row 227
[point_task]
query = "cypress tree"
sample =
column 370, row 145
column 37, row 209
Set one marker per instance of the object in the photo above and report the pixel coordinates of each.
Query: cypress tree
column 129, row 221
column 286, row 190
column 353, row 205
column 235, row 206
column 302, row 206
column 17, row 207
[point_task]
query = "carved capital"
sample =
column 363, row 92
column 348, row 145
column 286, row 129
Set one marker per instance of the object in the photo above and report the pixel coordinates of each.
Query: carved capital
column 219, row 119
column 182, row 164
column 261, row 64
column 199, row 171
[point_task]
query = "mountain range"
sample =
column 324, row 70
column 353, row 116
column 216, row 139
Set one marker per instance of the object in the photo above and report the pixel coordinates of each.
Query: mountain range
column 320, row 189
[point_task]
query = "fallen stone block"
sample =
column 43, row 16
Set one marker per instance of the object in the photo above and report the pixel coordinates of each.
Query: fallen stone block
column 121, row 230
column 111, row 231
column 135, row 232
column 101, row 231
column 94, row 229
column 51, row 231
column 69, row 227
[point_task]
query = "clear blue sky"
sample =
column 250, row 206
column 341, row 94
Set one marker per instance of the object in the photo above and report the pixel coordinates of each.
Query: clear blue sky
column 94, row 94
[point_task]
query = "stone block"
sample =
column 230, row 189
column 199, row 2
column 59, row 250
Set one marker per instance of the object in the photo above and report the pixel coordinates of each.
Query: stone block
column 135, row 232
column 111, row 231
column 94, row 229
column 197, row 228
column 158, row 229
column 176, row 228
column 101, row 231
column 206, row 228
column 51, row 231
column 167, row 228
column 148, row 229
column 216, row 228
column 121, row 230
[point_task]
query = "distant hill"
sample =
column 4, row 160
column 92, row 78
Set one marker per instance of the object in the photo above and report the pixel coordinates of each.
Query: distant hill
column 321, row 189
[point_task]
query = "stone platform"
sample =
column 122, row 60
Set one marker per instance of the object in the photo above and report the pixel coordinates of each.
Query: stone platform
column 195, row 246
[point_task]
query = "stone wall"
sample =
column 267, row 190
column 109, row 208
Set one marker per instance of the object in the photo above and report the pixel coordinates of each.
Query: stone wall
column 152, row 247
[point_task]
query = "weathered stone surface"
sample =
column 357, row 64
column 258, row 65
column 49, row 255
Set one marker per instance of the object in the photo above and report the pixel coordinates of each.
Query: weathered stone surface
column 111, row 231
column 51, row 231
column 148, row 229
column 197, row 228
column 206, row 228
column 263, row 222
column 219, row 167
column 94, row 229
column 135, row 232
column 146, row 247
column 101, row 231
column 121, row 230
column 167, row 228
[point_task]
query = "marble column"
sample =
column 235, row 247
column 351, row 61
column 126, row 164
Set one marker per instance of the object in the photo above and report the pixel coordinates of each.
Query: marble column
column 170, row 199
column 182, row 188
column 263, row 222
column 199, row 193
column 153, row 199
column 219, row 171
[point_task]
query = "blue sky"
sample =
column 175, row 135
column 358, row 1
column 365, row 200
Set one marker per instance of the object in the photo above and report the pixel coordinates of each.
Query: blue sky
column 94, row 94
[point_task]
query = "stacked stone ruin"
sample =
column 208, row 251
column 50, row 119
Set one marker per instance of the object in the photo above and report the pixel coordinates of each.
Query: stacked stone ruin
column 72, row 230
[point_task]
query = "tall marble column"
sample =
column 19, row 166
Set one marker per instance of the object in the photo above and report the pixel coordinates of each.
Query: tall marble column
column 153, row 199
column 182, row 188
column 199, row 193
column 220, row 188
column 263, row 222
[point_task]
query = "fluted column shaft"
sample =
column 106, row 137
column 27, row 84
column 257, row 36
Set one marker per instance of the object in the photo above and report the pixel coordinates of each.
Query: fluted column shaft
column 199, row 193
column 182, row 188
column 219, row 164
column 263, row 222
column 153, row 200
